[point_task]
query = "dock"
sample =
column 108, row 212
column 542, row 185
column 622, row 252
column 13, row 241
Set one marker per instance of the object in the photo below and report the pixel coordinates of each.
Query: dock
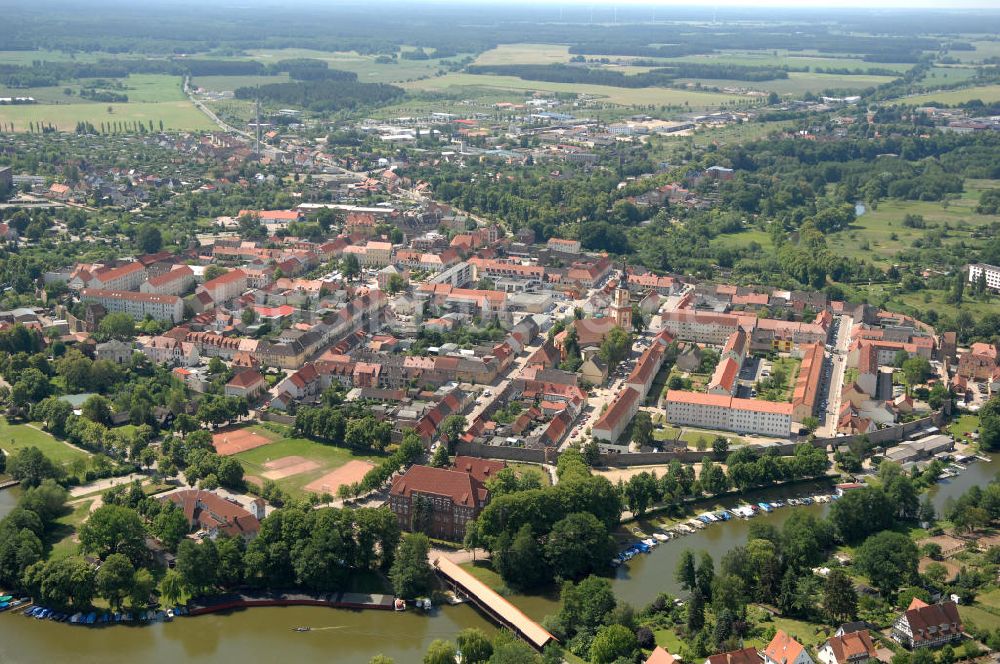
column 233, row 601
column 492, row 604
column 9, row 484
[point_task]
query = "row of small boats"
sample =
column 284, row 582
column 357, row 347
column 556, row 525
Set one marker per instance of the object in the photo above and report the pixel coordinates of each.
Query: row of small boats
column 101, row 617
column 748, row 511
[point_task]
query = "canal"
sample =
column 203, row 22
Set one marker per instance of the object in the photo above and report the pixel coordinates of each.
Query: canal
column 353, row 637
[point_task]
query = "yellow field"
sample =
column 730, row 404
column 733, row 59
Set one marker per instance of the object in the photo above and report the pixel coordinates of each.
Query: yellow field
column 986, row 93
column 176, row 115
column 524, row 54
column 623, row 96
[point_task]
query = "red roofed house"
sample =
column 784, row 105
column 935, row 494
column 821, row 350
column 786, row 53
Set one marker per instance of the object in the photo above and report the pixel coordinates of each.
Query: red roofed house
column 247, row 384
column 437, row 501
column 925, row 625
column 744, row 656
column 979, row 362
column 783, row 649
column 660, row 656
column 852, row 648
column 211, row 512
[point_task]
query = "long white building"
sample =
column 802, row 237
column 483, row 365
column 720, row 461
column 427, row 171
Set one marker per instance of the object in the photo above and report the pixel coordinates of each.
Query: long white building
column 992, row 274
column 727, row 413
column 137, row 305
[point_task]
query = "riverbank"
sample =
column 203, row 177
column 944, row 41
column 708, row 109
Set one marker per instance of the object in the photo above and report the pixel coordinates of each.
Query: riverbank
column 236, row 601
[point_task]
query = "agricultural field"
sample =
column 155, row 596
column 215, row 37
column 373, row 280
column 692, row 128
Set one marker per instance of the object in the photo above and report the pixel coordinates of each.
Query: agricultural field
column 798, row 83
column 231, row 83
column 14, row 437
column 524, row 54
column 364, row 66
column 294, row 463
column 985, row 93
column 621, row 96
column 782, row 58
column 175, row 115
column 984, row 49
column 879, row 234
column 28, row 57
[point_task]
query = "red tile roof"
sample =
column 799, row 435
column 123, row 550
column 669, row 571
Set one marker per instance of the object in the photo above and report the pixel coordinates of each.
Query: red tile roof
column 744, row 656
column 783, row 648
column 211, row 511
column 462, row 488
column 481, row 469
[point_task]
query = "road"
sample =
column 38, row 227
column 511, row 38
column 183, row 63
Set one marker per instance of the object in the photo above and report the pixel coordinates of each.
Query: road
column 838, row 357
column 211, row 116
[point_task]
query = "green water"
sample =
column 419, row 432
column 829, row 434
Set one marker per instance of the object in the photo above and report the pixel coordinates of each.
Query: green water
column 353, row 637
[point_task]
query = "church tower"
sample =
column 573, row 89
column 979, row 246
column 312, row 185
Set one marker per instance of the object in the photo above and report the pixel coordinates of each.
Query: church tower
column 621, row 307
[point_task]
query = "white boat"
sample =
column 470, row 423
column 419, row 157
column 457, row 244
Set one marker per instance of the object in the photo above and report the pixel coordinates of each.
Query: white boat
column 650, row 542
column 663, row 537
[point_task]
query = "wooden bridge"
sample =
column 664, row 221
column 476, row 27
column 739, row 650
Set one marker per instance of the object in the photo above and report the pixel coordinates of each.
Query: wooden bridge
column 492, row 604
column 8, row 484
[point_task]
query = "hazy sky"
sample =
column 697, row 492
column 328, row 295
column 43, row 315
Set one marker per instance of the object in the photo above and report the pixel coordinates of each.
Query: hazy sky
column 797, row 4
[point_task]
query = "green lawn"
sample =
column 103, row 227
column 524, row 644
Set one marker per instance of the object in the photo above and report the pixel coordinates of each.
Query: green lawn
column 806, row 633
column 63, row 534
column 981, row 617
column 328, row 457
column 623, row 96
column 933, row 299
column 878, row 235
column 668, row 640
column 743, row 239
column 538, row 470
column 14, row 437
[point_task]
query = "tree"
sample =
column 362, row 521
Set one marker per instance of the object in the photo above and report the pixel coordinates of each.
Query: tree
column 453, row 427
column 612, row 642
column 114, row 529
column 705, row 574
column 615, row 347
column 720, row 446
column 396, row 283
column 97, row 409
column 641, row 491
column 810, row 423
column 642, row 428
column 198, row 564
column 638, row 319
column 440, row 458
column 172, row 587
column 916, row 370
column 862, row 512
column 577, row 545
column 411, row 573
column 696, row 612
column 143, row 585
column 230, row 473
column 440, row 652
column 114, row 579
column 888, row 559
column 474, row 646
column 521, row 561
column 30, row 466
column 586, row 605
column 117, row 325
column 149, row 239
column 64, row 583
column 351, row 267
column 685, row 572
column 170, row 525
column 839, row 597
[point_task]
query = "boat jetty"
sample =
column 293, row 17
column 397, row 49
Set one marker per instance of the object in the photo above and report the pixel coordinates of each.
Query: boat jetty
column 645, row 543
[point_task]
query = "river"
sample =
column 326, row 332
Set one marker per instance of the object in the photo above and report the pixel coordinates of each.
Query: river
column 353, row 637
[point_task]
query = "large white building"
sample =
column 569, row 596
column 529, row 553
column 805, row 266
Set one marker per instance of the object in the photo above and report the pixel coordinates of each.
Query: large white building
column 125, row 277
column 137, row 305
column 173, row 282
column 704, row 327
column 227, row 286
column 992, row 274
column 727, row 413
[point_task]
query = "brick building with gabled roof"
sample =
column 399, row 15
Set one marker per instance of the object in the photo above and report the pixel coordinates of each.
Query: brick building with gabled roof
column 437, row 501
column 744, row 656
column 216, row 515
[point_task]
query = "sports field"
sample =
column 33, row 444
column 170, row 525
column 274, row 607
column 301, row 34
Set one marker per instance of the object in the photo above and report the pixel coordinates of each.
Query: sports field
column 301, row 466
column 242, row 438
column 623, row 96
